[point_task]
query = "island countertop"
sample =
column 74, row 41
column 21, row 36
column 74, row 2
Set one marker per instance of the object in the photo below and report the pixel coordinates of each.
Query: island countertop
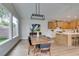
column 65, row 38
column 68, row 33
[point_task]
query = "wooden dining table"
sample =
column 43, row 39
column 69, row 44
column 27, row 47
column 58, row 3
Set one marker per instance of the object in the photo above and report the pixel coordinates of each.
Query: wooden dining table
column 40, row 40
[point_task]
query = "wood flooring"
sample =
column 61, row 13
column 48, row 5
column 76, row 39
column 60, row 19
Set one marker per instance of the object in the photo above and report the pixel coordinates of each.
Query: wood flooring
column 21, row 49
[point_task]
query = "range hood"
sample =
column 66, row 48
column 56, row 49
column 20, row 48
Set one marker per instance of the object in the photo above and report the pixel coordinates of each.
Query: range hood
column 37, row 15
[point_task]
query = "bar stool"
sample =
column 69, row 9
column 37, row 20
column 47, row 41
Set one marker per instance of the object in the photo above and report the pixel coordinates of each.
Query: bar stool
column 73, row 41
column 78, row 40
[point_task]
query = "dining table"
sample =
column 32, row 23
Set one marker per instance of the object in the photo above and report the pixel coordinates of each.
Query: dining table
column 41, row 40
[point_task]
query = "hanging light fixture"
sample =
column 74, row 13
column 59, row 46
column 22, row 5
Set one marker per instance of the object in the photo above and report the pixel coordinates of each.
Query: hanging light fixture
column 37, row 15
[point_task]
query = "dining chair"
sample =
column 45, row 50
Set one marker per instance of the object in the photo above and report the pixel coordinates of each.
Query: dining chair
column 30, row 46
column 75, row 41
column 33, row 34
column 45, row 48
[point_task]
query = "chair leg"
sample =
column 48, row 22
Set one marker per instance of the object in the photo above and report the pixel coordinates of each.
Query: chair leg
column 28, row 51
column 34, row 50
column 49, row 52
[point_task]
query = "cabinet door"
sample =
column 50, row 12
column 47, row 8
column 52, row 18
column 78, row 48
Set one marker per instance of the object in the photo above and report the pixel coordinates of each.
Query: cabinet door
column 77, row 22
column 60, row 24
column 65, row 25
column 72, row 24
column 52, row 25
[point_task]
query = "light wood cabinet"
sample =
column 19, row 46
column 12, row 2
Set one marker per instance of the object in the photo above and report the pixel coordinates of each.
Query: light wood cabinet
column 65, row 39
column 61, row 40
column 60, row 24
column 63, row 24
column 52, row 25
column 77, row 22
column 73, row 24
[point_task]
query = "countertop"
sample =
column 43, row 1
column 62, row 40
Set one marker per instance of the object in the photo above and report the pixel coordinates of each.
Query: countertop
column 68, row 33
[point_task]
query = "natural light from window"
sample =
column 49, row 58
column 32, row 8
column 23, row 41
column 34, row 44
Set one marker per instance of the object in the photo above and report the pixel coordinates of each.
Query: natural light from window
column 8, row 25
column 4, row 24
column 15, row 26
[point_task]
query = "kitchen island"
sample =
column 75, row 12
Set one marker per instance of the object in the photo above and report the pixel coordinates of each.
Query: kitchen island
column 66, row 39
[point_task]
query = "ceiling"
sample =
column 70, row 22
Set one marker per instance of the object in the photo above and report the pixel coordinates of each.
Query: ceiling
column 50, row 10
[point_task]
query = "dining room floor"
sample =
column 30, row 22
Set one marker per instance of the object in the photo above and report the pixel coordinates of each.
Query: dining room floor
column 21, row 49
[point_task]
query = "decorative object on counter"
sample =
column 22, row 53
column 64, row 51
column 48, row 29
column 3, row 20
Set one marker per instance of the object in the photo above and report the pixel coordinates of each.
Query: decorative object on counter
column 77, row 28
column 58, row 29
column 56, row 23
column 52, row 30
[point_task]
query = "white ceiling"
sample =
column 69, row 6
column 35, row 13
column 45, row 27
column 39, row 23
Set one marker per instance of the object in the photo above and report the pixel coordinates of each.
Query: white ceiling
column 50, row 10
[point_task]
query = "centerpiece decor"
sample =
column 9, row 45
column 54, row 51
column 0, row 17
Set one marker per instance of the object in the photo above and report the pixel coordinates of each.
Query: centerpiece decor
column 35, row 28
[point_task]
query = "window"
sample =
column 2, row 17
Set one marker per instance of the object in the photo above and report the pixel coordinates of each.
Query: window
column 15, row 26
column 4, row 23
column 8, row 25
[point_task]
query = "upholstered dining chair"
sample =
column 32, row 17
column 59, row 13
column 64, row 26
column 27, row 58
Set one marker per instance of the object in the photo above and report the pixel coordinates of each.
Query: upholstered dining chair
column 45, row 48
column 31, row 47
column 33, row 34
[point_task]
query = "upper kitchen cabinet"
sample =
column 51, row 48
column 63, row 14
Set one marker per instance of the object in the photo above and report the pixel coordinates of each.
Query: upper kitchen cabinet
column 59, row 24
column 52, row 24
column 63, row 24
column 77, row 22
column 66, row 25
column 73, row 24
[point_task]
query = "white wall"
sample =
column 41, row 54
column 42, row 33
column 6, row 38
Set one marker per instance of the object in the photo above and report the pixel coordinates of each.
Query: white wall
column 26, row 24
column 10, row 7
column 25, row 10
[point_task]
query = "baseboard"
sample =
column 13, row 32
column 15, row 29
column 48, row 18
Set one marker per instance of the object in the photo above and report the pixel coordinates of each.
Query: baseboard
column 12, row 48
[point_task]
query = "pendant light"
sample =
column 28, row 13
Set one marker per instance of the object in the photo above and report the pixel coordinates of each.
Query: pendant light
column 37, row 15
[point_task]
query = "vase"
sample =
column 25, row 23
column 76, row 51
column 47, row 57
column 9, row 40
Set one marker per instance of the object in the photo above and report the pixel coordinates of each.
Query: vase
column 37, row 34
